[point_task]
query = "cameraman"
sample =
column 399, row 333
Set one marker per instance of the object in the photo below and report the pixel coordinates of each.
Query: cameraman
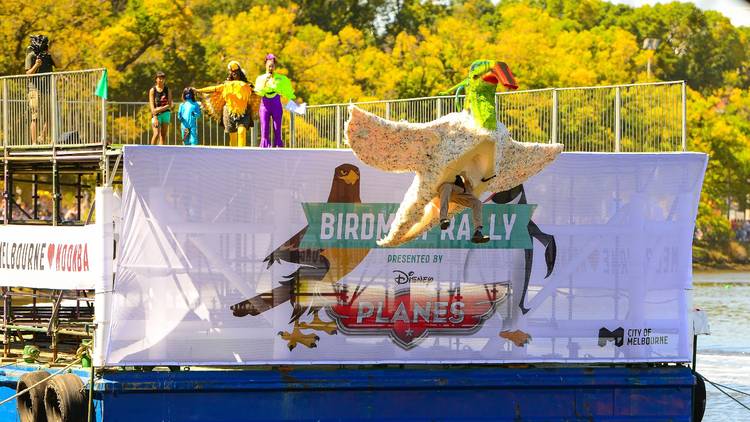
column 39, row 60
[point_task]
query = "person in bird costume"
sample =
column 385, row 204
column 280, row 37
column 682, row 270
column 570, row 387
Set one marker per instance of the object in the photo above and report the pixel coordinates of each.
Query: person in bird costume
column 233, row 103
column 470, row 144
column 479, row 86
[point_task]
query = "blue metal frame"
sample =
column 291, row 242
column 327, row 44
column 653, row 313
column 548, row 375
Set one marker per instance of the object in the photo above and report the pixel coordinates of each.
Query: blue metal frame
column 390, row 393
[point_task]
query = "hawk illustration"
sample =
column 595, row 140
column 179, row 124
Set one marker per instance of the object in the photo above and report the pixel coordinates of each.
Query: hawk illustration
column 312, row 286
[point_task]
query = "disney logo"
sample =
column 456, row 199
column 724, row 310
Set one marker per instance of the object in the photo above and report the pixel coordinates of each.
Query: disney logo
column 402, row 277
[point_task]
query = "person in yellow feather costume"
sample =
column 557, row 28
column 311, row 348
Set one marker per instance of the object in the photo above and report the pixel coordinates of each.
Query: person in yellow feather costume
column 233, row 103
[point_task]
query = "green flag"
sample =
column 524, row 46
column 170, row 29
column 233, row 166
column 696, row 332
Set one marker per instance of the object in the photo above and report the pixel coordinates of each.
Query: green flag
column 102, row 88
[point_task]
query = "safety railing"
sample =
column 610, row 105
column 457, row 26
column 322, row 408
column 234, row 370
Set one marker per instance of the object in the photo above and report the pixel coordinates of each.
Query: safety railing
column 59, row 109
column 62, row 109
column 627, row 118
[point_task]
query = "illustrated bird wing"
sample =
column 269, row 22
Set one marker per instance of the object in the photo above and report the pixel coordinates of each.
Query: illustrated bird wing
column 288, row 252
column 313, row 266
column 387, row 145
column 213, row 104
column 312, row 284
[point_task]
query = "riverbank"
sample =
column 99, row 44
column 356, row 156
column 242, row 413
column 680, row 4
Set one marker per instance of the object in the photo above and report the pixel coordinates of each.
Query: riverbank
column 722, row 267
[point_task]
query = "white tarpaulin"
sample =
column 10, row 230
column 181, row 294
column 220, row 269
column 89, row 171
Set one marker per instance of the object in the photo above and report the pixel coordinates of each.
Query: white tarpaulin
column 245, row 256
column 50, row 257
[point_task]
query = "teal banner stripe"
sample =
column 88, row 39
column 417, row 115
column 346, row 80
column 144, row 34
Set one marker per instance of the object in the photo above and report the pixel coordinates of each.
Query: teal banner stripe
column 343, row 225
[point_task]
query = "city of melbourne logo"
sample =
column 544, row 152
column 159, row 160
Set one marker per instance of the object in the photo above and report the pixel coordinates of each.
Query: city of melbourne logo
column 617, row 336
column 345, row 225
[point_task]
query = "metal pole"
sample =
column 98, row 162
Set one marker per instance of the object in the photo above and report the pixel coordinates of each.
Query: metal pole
column 388, row 110
column 79, row 196
column 497, row 105
column 55, row 192
column 554, row 115
column 10, row 198
column 35, row 196
column 6, row 130
column 618, row 128
column 6, row 316
column 338, row 127
column 103, row 136
column 684, row 116
column 292, row 141
column 6, row 142
column 53, row 108
column 438, row 109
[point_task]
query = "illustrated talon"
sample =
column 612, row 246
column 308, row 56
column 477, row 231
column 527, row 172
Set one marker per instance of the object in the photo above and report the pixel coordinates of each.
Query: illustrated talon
column 518, row 337
column 298, row 337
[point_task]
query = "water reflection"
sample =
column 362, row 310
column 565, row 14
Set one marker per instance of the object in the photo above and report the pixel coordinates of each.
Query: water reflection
column 724, row 356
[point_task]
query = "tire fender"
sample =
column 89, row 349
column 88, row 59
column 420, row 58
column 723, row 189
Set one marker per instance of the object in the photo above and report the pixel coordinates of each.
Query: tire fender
column 30, row 404
column 64, row 399
column 699, row 398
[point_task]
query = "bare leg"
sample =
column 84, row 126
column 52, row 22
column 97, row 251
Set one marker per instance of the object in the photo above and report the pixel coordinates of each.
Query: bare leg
column 33, row 132
column 164, row 133
column 156, row 135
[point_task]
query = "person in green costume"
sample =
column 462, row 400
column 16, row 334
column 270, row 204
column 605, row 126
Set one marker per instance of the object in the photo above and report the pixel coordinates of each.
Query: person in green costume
column 479, row 86
column 271, row 86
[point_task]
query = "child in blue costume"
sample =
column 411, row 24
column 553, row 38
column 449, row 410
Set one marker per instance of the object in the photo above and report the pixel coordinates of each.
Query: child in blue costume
column 188, row 115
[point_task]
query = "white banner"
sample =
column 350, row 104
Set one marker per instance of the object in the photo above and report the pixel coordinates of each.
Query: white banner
column 245, row 256
column 46, row 257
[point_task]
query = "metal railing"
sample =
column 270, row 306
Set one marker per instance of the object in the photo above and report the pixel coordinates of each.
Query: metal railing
column 59, row 109
column 62, row 109
column 627, row 118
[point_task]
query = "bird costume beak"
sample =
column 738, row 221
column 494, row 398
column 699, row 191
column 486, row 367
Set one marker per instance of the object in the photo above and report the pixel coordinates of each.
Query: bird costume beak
column 500, row 74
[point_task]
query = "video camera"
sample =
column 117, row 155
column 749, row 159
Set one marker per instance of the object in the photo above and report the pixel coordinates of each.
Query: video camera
column 39, row 46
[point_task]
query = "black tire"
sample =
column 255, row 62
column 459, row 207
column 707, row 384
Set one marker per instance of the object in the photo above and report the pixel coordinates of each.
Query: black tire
column 30, row 404
column 64, row 399
column 699, row 398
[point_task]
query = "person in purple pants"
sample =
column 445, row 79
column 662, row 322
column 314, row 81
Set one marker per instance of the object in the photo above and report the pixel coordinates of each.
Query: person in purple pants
column 271, row 86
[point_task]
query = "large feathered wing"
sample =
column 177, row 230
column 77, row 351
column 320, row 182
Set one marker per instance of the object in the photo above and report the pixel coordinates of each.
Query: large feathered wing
column 387, row 145
column 213, row 104
column 438, row 151
column 519, row 161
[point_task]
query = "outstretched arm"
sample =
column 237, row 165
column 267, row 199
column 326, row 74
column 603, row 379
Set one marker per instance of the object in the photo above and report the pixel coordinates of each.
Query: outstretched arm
column 210, row 88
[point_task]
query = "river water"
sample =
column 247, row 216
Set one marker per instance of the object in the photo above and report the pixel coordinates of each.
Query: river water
column 724, row 356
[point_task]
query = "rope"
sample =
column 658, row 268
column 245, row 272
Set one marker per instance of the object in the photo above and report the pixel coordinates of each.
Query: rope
column 29, row 388
column 729, row 388
column 11, row 363
column 717, row 386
